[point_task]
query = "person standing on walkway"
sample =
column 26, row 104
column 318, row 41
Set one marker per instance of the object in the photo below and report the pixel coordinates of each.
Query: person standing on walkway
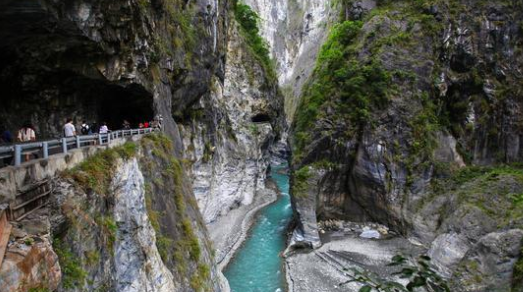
column 69, row 129
column 85, row 128
column 94, row 128
column 6, row 137
column 26, row 134
column 104, row 129
column 126, row 125
column 159, row 122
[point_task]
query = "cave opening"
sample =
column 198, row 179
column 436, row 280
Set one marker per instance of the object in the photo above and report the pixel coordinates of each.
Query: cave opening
column 48, row 75
column 261, row 118
column 53, row 97
column 132, row 103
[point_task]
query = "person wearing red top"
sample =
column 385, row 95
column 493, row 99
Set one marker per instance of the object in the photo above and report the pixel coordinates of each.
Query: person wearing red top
column 146, row 125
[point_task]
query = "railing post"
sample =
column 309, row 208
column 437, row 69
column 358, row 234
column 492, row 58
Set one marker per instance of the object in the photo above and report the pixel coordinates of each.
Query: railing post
column 18, row 155
column 108, row 138
column 100, row 139
column 45, row 149
column 64, row 145
column 78, row 143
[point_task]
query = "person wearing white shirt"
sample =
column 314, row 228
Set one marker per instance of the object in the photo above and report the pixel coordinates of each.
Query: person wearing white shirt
column 69, row 128
column 26, row 134
column 104, row 129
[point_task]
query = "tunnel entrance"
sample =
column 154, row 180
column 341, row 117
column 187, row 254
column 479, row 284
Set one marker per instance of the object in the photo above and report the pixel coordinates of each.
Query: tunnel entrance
column 48, row 75
column 261, row 118
column 132, row 103
column 52, row 98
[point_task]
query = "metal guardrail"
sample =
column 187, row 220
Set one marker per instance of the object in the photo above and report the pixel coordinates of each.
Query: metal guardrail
column 17, row 151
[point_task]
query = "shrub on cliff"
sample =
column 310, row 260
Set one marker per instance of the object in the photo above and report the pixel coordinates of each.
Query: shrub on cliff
column 417, row 273
column 350, row 88
column 248, row 20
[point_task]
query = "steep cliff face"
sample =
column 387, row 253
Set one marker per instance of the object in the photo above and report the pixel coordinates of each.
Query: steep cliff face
column 107, row 61
column 294, row 30
column 406, row 98
column 230, row 134
column 126, row 220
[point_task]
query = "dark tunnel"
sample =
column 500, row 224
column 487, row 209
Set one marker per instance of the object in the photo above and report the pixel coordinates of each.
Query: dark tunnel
column 48, row 76
column 61, row 96
column 261, row 118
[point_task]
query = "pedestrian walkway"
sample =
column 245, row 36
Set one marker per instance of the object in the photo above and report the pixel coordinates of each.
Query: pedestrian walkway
column 25, row 186
column 18, row 153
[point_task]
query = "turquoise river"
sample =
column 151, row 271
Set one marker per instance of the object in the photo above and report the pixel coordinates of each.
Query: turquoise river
column 257, row 265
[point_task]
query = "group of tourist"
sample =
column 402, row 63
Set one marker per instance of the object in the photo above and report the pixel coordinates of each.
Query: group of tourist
column 86, row 129
column 156, row 123
column 27, row 132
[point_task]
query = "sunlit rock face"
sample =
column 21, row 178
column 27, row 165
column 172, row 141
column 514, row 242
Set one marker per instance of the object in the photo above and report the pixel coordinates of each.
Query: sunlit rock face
column 139, row 266
column 294, row 30
column 229, row 137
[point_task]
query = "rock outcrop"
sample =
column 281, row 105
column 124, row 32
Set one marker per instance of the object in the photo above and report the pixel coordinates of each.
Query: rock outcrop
column 295, row 31
column 30, row 261
column 141, row 230
column 412, row 119
column 230, row 134
column 107, row 61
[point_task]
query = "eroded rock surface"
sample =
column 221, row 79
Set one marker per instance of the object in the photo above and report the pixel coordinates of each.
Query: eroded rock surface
column 30, row 261
column 233, row 131
column 411, row 120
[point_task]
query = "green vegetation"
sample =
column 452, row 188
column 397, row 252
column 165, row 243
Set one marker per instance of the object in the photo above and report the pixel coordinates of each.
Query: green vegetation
column 248, row 20
column 163, row 243
column 300, row 184
column 418, row 272
column 184, row 33
column 254, row 129
column 185, row 247
column 109, row 229
column 92, row 257
column 39, row 290
column 341, row 83
column 424, row 125
column 477, row 187
column 198, row 280
column 192, row 241
column 207, row 152
column 97, row 171
column 73, row 275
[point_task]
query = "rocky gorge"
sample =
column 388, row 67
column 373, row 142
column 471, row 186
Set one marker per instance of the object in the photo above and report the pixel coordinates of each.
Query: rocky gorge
column 408, row 121
column 401, row 122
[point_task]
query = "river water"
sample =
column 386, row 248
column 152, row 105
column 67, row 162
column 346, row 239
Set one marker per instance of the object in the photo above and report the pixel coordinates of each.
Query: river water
column 257, row 265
